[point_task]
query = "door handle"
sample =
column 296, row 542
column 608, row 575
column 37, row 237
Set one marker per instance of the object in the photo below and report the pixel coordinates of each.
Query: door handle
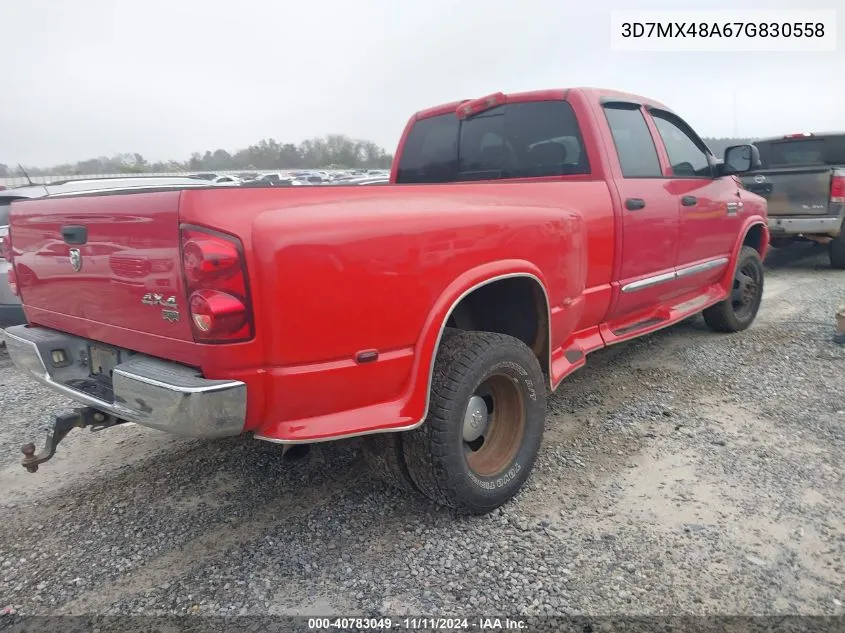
column 634, row 204
column 75, row 234
column 689, row 201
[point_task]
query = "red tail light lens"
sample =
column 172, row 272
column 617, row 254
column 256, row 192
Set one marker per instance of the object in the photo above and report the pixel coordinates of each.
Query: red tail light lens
column 837, row 190
column 13, row 281
column 215, row 311
column 216, row 284
column 209, row 257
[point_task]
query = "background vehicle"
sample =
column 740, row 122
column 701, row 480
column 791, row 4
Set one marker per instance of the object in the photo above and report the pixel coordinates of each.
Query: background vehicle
column 11, row 312
column 278, row 180
column 519, row 233
column 803, row 179
column 226, row 180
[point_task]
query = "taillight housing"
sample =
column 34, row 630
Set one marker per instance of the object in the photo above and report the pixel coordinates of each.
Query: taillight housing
column 837, row 190
column 216, row 283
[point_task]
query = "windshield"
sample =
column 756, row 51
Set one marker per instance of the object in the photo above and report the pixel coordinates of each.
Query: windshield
column 824, row 150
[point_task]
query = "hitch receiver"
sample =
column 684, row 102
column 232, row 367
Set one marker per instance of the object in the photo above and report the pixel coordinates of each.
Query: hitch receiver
column 64, row 424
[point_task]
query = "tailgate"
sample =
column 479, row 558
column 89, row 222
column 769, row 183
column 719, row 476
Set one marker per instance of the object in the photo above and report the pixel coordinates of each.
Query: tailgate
column 794, row 191
column 110, row 259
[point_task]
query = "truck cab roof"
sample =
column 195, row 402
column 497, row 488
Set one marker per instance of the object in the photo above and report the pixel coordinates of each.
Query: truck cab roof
column 592, row 94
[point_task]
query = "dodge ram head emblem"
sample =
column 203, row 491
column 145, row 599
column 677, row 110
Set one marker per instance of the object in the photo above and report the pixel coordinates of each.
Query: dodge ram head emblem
column 759, row 178
column 169, row 312
column 75, row 259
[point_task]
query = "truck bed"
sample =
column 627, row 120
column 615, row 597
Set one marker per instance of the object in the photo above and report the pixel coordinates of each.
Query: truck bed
column 133, row 250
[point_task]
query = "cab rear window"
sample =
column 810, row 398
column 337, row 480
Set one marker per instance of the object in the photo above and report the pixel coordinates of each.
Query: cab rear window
column 516, row 140
column 822, row 150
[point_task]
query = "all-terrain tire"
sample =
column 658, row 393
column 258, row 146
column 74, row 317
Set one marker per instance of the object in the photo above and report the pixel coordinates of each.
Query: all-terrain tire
column 437, row 454
column 385, row 460
column 732, row 315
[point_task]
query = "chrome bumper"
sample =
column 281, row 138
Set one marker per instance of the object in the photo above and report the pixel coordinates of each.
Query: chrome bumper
column 800, row 226
column 149, row 391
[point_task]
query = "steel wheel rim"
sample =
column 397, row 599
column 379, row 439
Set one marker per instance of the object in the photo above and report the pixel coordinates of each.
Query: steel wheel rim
column 491, row 444
column 746, row 289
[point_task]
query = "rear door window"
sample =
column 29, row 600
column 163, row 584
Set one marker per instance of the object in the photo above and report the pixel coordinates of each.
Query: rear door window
column 517, row 140
column 634, row 144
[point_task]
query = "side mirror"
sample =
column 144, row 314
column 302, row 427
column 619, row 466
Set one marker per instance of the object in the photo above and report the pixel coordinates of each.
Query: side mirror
column 740, row 159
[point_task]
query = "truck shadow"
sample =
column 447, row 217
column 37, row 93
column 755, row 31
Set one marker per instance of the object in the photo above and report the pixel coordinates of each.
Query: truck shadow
column 798, row 256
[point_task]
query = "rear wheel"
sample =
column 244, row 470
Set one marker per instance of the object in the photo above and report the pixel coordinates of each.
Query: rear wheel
column 480, row 440
column 385, row 459
column 739, row 310
column 836, row 250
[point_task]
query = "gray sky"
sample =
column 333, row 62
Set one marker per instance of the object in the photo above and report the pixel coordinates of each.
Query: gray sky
column 98, row 77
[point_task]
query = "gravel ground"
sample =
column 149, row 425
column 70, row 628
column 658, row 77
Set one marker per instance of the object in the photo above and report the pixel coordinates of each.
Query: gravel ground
column 683, row 473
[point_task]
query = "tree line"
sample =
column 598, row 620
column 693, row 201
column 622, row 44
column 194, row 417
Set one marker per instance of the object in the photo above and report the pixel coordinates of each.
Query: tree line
column 334, row 151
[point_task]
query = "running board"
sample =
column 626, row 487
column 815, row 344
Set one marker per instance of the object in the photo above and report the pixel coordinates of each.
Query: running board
column 573, row 354
column 639, row 325
column 661, row 317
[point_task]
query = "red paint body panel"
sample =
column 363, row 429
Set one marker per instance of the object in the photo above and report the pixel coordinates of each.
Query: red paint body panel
column 338, row 270
column 131, row 247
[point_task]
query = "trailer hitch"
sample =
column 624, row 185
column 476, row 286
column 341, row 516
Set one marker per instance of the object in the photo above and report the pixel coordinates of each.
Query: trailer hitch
column 64, row 424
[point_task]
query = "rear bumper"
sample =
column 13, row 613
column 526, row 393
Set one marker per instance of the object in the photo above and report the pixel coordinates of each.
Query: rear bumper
column 149, row 391
column 797, row 225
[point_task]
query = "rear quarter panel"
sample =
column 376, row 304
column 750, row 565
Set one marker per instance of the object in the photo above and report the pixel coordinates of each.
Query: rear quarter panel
column 340, row 270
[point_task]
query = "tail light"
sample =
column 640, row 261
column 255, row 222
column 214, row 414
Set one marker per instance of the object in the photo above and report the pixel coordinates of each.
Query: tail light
column 837, row 190
column 799, row 135
column 214, row 268
column 12, row 280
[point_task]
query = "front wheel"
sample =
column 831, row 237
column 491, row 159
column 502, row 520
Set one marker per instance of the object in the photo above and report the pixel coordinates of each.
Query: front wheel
column 739, row 310
column 480, row 440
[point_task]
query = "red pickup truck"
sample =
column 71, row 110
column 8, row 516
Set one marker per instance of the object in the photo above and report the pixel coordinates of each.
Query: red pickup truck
column 432, row 315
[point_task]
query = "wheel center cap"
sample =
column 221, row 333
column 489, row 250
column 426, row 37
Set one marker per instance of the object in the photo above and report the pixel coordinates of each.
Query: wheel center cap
column 475, row 419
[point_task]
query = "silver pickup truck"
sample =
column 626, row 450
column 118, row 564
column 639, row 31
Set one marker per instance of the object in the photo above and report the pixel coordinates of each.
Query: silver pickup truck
column 803, row 178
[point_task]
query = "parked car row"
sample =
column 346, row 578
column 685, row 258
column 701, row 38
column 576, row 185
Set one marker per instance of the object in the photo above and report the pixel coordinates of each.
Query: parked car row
column 301, row 178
